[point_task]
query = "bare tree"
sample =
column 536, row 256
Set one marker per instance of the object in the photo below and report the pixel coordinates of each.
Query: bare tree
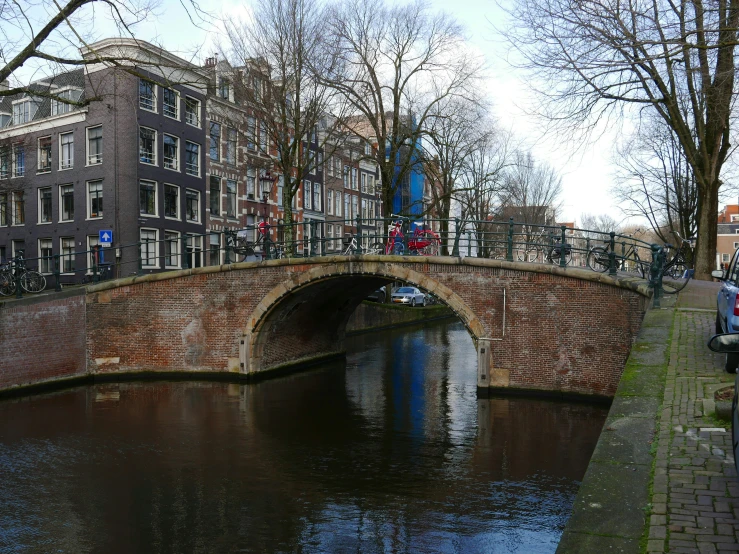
column 601, row 223
column 656, row 182
column 398, row 63
column 453, row 132
column 532, row 192
column 281, row 51
column 593, row 59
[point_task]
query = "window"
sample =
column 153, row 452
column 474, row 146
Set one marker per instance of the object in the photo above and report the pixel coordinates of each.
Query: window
column 171, row 152
column 147, row 198
column 231, row 198
column 317, row 197
column 330, row 202
column 223, row 88
column 251, row 176
column 19, row 161
column 371, row 184
column 355, row 208
column 192, row 111
column 355, row 185
column 725, row 258
column 251, row 131
column 339, row 234
column 5, row 119
column 170, row 103
column 171, row 249
column 95, row 254
column 67, row 255
column 192, row 158
column 148, row 146
column 148, row 239
column 172, row 201
column 44, row 154
column 66, row 202
column 347, row 206
column 46, row 263
column 338, row 204
column 95, row 145
column 367, row 149
column 44, row 205
column 215, row 195
column 736, row 245
column 4, row 162
column 263, row 137
column 346, row 176
column 363, row 182
column 58, row 107
column 17, row 205
column 192, row 205
column 280, row 190
column 330, row 236
column 3, row 210
column 231, row 146
column 215, row 249
column 330, row 166
column 319, row 167
column 194, row 245
column 215, row 141
column 147, row 95
column 18, row 248
column 24, row 111
column 307, row 195
column 95, row 199
column 364, row 209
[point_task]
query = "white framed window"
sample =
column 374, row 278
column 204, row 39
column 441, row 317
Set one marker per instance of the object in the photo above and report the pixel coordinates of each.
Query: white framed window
column 66, row 151
column 280, row 190
column 263, row 137
column 148, row 239
column 67, row 254
column 215, row 249
column 231, row 146
column 355, row 185
column 95, row 145
column 94, row 199
column 330, row 203
column 339, row 234
column 192, row 111
column 44, row 154
column 59, row 107
column 46, row 253
column 4, row 162
column 3, row 209
column 251, row 176
column 337, row 204
column 330, row 236
column 92, row 260
column 307, row 195
column 19, row 161
column 44, row 205
column 194, row 246
column 171, row 147
column 171, row 201
column 147, row 198
column 365, row 214
column 355, row 207
column 147, row 146
column 317, row 196
column 230, row 198
column 172, row 249
column 346, row 177
column 17, row 208
column 170, row 103
column 347, row 206
column 224, row 88
column 192, row 158
column 363, row 182
column 725, row 258
column 66, row 203
column 192, row 205
column 215, row 195
column 147, row 95
column 251, row 133
column 215, row 141
column 24, row 110
column 371, row 184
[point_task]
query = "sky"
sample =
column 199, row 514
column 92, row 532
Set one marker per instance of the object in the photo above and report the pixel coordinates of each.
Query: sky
column 587, row 172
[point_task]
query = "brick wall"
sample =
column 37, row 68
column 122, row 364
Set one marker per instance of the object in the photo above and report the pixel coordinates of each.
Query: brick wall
column 42, row 341
column 566, row 330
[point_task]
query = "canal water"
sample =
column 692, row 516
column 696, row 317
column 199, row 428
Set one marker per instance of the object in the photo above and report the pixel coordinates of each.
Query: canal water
column 390, row 452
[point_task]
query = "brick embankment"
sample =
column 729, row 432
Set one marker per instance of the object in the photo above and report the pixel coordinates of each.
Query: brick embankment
column 662, row 476
column 371, row 316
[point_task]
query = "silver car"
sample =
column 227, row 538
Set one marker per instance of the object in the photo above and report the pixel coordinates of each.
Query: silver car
column 410, row 296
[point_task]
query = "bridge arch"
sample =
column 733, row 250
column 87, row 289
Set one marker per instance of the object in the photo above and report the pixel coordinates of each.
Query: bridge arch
column 284, row 329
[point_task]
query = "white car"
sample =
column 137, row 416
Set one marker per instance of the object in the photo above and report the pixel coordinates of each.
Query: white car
column 410, row 296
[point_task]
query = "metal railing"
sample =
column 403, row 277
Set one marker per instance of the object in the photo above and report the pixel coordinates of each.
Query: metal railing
column 395, row 235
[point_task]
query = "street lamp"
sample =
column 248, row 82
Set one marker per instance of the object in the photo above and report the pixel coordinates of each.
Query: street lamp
column 267, row 181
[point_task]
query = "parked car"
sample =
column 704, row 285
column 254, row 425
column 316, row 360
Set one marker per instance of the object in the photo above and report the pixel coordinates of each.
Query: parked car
column 377, row 296
column 410, row 296
column 727, row 307
column 729, row 343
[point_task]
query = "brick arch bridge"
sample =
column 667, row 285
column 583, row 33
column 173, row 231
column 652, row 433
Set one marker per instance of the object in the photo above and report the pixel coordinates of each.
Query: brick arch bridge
column 534, row 326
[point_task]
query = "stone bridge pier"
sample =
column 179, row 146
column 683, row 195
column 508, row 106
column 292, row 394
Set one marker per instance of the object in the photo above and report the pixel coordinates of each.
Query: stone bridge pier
column 535, row 327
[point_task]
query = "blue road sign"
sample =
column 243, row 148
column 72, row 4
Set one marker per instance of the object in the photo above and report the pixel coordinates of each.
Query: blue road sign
column 106, row 238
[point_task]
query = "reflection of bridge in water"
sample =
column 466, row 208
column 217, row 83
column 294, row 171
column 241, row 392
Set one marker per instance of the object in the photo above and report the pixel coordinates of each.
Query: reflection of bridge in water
column 534, row 326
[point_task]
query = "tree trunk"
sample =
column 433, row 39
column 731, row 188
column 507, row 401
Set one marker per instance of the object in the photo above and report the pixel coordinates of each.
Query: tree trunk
column 705, row 250
column 288, row 230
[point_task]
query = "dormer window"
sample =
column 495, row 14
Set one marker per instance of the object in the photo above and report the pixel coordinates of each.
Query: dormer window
column 5, row 119
column 59, row 107
column 223, row 88
column 24, row 110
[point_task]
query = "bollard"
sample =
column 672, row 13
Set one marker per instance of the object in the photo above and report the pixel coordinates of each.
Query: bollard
column 612, row 256
column 509, row 251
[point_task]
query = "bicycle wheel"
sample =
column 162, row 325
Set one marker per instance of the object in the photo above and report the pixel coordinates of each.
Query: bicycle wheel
column 676, row 277
column 374, row 249
column 597, row 259
column 33, row 281
column 7, row 286
column 432, row 248
column 527, row 254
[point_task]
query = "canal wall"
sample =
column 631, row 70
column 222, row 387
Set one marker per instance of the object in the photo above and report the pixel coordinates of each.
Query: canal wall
column 42, row 339
column 373, row 316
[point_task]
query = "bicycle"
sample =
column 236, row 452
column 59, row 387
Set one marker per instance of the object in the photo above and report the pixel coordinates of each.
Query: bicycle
column 422, row 241
column 598, row 259
column 544, row 245
column 30, row 281
column 352, row 248
column 677, row 272
column 242, row 246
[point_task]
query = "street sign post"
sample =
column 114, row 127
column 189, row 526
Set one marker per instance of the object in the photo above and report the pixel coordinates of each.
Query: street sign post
column 106, row 238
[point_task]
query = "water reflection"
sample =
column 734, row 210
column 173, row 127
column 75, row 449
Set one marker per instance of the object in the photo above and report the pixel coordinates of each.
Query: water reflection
column 391, row 452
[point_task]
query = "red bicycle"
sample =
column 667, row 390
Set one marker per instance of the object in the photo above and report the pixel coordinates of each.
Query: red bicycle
column 423, row 241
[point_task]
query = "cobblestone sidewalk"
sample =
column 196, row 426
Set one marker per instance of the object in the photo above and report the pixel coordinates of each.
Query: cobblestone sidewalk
column 695, row 497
